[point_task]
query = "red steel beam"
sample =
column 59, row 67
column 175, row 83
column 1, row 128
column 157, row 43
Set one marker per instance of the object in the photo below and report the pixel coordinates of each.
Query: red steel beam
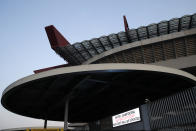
column 125, row 23
column 55, row 37
column 58, row 42
column 50, row 68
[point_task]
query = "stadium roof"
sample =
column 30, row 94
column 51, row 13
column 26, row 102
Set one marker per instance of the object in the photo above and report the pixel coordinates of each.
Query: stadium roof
column 80, row 52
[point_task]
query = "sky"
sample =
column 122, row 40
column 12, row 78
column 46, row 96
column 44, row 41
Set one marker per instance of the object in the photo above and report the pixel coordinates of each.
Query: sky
column 25, row 46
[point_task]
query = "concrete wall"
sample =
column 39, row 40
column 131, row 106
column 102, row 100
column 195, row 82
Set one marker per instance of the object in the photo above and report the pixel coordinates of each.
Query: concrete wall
column 184, row 40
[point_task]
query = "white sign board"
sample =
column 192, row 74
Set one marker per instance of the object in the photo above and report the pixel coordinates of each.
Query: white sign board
column 126, row 117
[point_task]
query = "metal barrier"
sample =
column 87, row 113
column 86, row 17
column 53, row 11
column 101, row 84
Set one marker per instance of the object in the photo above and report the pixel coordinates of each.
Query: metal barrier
column 174, row 112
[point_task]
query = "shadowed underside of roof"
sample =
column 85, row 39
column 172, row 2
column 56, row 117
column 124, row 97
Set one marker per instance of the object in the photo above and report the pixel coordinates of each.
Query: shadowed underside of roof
column 123, row 86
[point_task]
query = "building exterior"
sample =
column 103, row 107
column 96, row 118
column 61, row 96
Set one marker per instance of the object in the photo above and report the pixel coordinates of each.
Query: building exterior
column 169, row 43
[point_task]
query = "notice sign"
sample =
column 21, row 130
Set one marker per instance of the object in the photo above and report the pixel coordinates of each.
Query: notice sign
column 126, row 117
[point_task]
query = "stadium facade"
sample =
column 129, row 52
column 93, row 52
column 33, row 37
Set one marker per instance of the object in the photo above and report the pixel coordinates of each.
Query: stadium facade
column 169, row 43
column 151, row 44
column 169, row 103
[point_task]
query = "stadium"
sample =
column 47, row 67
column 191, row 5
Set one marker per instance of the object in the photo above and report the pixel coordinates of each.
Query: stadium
column 137, row 79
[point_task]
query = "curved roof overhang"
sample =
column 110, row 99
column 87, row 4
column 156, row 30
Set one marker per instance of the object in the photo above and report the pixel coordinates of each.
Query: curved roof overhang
column 98, row 90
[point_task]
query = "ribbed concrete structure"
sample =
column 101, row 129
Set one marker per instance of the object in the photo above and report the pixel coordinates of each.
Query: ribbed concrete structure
column 147, row 44
column 170, row 46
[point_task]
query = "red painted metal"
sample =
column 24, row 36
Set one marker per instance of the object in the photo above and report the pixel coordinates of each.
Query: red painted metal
column 125, row 23
column 50, row 68
column 55, row 37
